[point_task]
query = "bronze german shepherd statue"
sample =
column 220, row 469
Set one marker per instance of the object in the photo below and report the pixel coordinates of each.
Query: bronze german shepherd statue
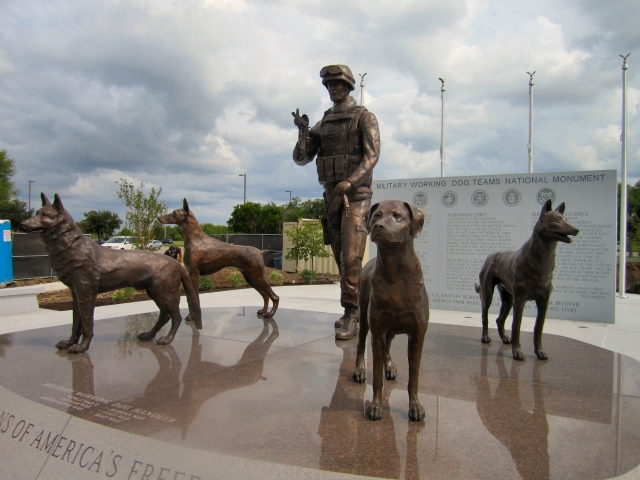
column 522, row 275
column 204, row 255
column 88, row 269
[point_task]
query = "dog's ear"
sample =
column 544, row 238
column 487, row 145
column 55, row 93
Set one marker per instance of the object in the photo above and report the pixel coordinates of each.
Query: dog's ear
column 417, row 219
column 45, row 200
column 546, row 208
column 57, row 203
column 560, row 209
column 185, row 205
column 369, row 215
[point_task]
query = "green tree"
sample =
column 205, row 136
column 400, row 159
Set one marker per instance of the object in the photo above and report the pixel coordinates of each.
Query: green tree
column 11, row 208
column 102, row 222
column 15, row 211
column 8, row 190
column 126, row 232
column 297, row 209
column 211, row 229
column 142, row 210
column 307, row 242
column 253, row 217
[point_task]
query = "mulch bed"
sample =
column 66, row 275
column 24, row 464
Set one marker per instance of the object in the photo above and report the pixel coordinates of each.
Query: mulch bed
column 61, row 299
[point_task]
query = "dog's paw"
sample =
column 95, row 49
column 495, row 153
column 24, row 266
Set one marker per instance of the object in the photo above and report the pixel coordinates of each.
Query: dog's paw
column 268, row 314
column 416, row 411
column 506, row 340
column 63, row 344
column 188, row 318
column 485, row 339
column 262, row 311
column 146, row 336
column 541, row 355
column 360, row 375
column 374, row 411
column 390, row 371
column 165, row 340
column 518, row 355
column 78, row 348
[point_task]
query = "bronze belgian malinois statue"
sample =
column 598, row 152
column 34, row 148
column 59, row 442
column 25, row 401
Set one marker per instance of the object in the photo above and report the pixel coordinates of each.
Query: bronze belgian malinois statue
column 204, row 255
column 522, row 275
column 393, row 300
column 88, row 269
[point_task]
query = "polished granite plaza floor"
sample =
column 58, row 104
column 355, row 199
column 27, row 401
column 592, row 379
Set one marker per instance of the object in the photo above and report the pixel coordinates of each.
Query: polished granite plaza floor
column 280, row 391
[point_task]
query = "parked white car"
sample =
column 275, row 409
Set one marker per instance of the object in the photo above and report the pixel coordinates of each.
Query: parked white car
column 154, row 245
column 120, row 243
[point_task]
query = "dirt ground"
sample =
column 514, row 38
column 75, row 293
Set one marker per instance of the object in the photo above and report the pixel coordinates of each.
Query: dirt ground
column 61, row 299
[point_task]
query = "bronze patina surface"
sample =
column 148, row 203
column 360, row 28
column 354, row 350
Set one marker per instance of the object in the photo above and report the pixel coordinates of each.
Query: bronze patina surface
column 524, row 274
column 231, row 394
column 204, row 255
column 88, row 269
column 393, row 300
column 346, row 146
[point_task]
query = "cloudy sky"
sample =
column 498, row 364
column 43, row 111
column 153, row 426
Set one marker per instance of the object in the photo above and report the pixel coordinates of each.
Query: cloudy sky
column 187, row 94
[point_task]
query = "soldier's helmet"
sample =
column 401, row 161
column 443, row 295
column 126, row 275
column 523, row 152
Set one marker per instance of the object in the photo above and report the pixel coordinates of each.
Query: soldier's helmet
column 338, row 72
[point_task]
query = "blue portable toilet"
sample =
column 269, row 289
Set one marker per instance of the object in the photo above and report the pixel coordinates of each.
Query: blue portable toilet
column 6, row 262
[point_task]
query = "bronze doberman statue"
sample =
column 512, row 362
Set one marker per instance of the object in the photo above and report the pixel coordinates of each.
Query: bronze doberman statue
column 88, row 269
column 522, row 275
column 204, row 255
column 393, row 300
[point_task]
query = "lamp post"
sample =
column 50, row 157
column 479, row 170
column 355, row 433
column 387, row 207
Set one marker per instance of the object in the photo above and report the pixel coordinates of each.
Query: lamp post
column 245, row 185
column 442, row 158
column 289, row 192
column 30, row 182
column 362, row 88
column 622, row 262
column 530, row 144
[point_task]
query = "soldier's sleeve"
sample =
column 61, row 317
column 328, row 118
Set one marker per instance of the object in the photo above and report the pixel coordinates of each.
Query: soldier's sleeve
column 299, row 156
column 370, row 137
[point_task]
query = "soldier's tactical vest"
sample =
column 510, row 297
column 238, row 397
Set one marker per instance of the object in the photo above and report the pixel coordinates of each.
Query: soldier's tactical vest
column 340, row 151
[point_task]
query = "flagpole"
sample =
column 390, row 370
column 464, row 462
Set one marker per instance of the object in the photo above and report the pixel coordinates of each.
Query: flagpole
column 442, row 155
column 622, row 262
column 530, row 144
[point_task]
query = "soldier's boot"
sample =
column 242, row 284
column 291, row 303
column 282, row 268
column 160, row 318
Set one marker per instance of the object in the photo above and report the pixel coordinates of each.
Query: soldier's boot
column 349, row 327
column 347, row 313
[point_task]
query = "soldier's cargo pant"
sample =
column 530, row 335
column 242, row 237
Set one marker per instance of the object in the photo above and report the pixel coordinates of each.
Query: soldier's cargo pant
column 348, row 242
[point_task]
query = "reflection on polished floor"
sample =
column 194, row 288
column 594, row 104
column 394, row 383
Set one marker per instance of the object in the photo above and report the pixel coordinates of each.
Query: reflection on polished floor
column 281, row 391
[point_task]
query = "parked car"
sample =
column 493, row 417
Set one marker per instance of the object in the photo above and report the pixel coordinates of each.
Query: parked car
column 154, row 245
column 120, row 243
column 167, row 241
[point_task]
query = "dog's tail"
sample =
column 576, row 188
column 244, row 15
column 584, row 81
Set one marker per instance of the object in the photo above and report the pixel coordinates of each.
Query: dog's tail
column 477, row 288
column 192, row 299
column 264, row 252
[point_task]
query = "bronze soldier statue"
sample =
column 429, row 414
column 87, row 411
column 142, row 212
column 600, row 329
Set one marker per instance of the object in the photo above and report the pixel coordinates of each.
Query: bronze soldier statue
column 347, row 145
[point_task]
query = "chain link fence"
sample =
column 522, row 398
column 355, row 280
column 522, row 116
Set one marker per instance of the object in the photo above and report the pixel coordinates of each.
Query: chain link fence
column 262, row 241
column 30, row 258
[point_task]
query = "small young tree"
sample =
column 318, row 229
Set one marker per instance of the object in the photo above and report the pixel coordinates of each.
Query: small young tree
column 307, row 242
column 142, row 210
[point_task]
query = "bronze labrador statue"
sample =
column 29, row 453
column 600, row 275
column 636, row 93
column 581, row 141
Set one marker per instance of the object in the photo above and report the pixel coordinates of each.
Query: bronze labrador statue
column 204, row 255
column 393, row 300
column 88, row 269
column 522, row 275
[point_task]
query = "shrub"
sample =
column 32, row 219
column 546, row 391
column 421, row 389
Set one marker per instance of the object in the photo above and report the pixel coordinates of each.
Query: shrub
column 206, row 284
column 236, row 279
column 276, row 278
column 126, row 293
column 309, row 276
column 635, row 288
